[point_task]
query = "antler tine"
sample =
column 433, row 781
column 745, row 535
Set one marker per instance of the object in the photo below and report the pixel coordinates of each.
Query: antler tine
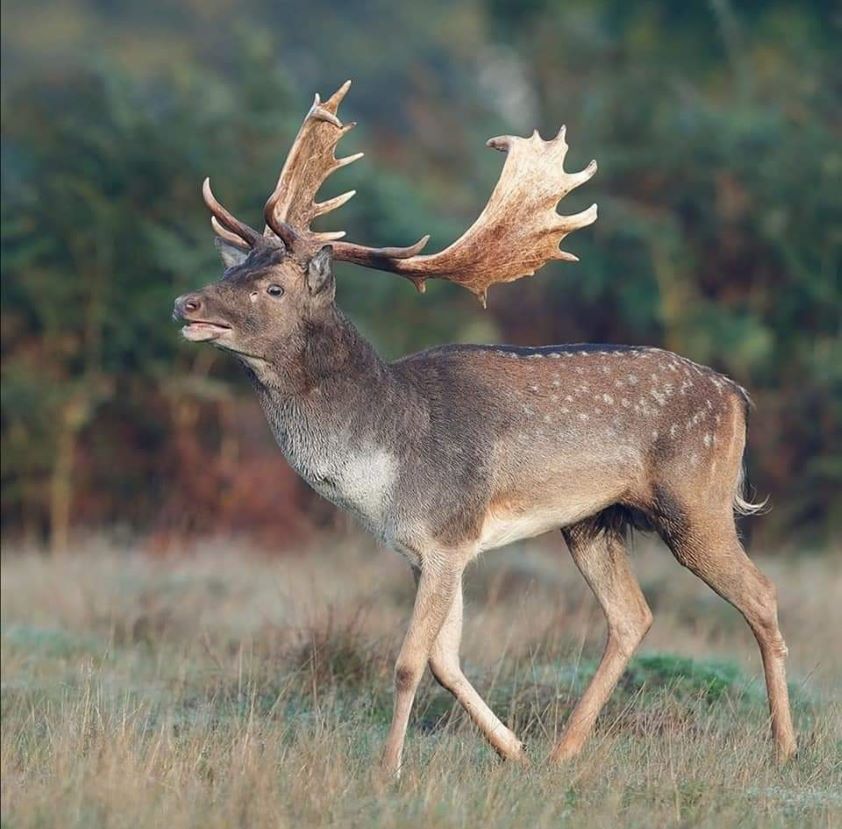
column 380, row 258
column 578, row 220
column 332, row 103
column 226, row 235
column 330, row 205
column 222, row 219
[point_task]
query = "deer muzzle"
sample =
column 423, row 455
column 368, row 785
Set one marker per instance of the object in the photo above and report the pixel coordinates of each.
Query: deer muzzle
column 190, row 309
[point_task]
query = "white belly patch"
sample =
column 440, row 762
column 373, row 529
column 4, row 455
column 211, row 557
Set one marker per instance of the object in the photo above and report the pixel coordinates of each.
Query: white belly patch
column 500, row 528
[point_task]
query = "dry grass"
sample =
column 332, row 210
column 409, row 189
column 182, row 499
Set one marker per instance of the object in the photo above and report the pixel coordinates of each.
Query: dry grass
column 227, row 689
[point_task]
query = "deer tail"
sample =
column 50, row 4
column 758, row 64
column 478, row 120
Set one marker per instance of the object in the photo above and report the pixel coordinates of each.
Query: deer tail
column 742, row 503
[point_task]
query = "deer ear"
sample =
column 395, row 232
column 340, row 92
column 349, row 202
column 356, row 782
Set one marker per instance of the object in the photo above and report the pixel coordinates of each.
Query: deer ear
column 320, row 271
column 231, row 255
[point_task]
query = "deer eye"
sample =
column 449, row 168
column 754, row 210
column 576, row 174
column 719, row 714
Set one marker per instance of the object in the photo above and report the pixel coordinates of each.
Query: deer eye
column 275, row 290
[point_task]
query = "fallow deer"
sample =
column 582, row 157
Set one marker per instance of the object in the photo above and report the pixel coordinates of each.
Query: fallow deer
column 463, row 448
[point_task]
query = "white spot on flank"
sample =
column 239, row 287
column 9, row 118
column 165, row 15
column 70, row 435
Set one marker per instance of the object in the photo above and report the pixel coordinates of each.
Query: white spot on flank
column 655, row 434
column 547, row 418
column 707, row 440
column 608, row 399
column 660, row 398
column 583, row 416
column 533, row 388
column 632, row 379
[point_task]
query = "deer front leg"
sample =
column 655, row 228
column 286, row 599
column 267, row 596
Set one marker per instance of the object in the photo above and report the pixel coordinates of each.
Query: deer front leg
column 437, row 584
column 444, row 663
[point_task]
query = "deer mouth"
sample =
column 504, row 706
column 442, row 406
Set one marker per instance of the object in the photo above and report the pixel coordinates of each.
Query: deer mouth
column 198, row 331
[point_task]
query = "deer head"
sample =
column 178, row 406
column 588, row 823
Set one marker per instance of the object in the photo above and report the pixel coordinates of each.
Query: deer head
column 279, row 280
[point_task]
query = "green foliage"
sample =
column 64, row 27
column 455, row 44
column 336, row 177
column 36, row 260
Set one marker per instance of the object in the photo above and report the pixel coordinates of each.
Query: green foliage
column 718, row 234
column 50, row 643
column 708, row 681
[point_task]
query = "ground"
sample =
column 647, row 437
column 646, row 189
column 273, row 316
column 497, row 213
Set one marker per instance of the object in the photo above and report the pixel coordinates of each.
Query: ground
column 227, row 688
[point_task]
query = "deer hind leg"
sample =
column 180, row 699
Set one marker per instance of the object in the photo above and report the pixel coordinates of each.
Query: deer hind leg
column 705, row 541
column 601, row 557
column 444, row 663
column 437, row 584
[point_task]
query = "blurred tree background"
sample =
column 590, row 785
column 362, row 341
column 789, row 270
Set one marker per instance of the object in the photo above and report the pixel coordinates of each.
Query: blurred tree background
column 716, row 125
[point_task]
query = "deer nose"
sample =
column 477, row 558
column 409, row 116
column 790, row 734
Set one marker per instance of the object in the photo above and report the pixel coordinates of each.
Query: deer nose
column 187, row 304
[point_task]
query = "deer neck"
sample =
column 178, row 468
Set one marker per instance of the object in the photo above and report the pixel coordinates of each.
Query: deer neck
column 320, row 399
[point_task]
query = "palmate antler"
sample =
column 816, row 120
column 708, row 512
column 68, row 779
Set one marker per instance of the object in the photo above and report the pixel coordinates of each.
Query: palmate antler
column 518, row 232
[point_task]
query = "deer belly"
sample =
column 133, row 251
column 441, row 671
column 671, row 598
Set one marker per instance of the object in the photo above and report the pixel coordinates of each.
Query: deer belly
column 503, row 526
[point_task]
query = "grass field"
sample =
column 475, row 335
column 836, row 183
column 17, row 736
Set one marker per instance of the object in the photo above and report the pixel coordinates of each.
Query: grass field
column 229, row 689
